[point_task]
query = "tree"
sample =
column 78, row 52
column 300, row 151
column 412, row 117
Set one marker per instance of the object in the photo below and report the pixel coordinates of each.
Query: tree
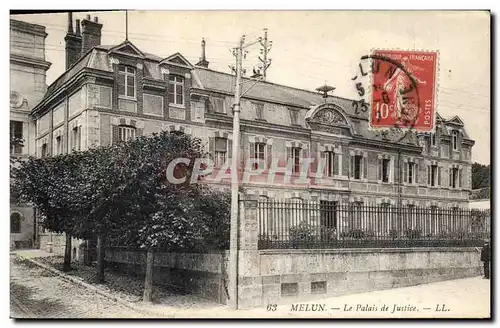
column 51, row 184
column 480, row 176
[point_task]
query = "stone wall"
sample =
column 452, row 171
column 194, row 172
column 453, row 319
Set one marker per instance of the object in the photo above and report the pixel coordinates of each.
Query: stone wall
column 283, row 276
column 55, row 243
column 204, row 275
column 299, row 275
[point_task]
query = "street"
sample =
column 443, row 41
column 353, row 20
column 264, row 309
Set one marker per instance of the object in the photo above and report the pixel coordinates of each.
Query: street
column 37, row 293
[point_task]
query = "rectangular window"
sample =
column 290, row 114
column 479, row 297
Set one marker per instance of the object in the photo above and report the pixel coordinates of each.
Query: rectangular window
column 357, row 166
column 259, row 153
column 176, row 90
column 126, row 133
column 434, row 175
column 385, row 169
column 455, row 140
column 294, row 155
column 294, row 114
column 411, row 172
column 126, row 81
column 328, row 210
column 16, row 137
column 454, row 177
column 44, row 150
column 331, row 163
column 75, row 138
column 58, row 145
column 220, row 152
column 433, row 139
column 259, row 111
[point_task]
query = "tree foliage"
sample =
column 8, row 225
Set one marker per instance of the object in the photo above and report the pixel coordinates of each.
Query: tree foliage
column 121, row 192
column 480, row 176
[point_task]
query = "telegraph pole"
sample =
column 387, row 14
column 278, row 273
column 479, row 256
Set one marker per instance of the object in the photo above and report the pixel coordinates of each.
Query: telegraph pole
column 233, row 235
column 266, row 47
column 233, row 238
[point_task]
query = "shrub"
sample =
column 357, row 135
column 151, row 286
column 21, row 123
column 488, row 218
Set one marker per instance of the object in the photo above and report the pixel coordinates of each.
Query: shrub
column 413, row 234
column 328, row 233
column 353, row 233
column 302, row 233
column 393, row 233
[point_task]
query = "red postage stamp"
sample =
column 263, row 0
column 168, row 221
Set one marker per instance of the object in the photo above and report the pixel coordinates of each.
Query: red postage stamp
column 403, row 89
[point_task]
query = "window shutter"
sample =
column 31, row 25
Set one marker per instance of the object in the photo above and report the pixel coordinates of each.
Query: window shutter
column 229, row 149
column 405, row 172
column 269, row 156
column 439, row 175
column 351, row 166
column 429, row 175
column 115, row 136
column 325, row 167
column 335, row 164
column 365, row 167
column 379, row 169
column 450, row 175
column 460, row 178
column 211, row 147
column 415, row 173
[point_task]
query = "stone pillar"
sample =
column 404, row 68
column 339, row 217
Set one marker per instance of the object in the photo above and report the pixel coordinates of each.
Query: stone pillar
column 249, row 279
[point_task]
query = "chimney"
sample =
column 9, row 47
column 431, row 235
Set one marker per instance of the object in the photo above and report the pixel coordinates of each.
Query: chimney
column 91, row 33
column 203, row 61
column 73, row 42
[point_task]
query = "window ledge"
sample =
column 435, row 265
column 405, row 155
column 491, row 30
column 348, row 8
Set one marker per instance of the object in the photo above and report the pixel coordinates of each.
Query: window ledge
column 127, row 98
column 176, row 106
column 359, row 180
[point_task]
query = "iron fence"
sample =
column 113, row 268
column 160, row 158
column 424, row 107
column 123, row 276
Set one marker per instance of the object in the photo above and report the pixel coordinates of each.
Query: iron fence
column 324, row 224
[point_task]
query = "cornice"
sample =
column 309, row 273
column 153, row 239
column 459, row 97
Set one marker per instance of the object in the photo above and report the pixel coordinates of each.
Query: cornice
column 24, row 60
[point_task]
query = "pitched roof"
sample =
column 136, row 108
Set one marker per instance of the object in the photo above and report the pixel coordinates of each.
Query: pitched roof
column 224, row 82
column 208, row 79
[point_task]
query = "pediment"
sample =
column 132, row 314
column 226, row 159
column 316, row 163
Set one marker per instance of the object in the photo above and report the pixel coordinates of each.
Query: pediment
column 456, row 120
column 177, row 60
column 127, row 48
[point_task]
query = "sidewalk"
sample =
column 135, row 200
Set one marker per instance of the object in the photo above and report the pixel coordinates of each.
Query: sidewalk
column 462, row 298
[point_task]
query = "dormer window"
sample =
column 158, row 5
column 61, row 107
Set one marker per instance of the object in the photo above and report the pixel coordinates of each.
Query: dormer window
column 126, row 81
column 176, row 90
column 433, row 139
column 455, row 139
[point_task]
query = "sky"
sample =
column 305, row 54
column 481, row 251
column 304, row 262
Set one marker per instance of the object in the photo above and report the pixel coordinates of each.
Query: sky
column 311, row 48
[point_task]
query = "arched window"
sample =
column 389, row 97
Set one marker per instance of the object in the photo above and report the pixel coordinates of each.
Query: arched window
column 15, row 222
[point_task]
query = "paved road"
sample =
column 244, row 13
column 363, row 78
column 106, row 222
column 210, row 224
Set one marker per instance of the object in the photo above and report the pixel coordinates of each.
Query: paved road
column 37, row 293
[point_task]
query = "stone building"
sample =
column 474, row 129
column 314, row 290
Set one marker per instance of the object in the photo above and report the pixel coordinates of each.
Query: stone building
column 117, row 92
column 28, row 69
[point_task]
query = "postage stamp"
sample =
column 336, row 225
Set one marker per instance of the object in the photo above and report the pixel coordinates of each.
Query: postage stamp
column 403, row 90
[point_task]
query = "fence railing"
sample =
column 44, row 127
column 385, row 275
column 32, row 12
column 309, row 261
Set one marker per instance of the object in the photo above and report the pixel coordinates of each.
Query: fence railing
column 288, row 224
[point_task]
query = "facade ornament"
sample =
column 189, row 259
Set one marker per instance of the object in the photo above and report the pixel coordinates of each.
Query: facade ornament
column 329, row 117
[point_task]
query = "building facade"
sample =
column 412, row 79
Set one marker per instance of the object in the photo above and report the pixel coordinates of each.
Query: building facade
column 117, row 92
column 28, row 69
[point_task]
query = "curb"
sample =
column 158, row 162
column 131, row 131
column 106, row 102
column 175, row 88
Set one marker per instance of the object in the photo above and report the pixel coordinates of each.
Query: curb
column 90, row 287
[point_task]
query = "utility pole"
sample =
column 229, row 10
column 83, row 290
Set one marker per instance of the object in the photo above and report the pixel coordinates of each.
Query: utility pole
column 233, row 237
column 266, row 48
